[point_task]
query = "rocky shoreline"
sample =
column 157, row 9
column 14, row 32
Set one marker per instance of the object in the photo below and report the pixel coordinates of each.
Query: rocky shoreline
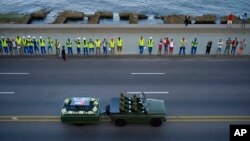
column 131, row 17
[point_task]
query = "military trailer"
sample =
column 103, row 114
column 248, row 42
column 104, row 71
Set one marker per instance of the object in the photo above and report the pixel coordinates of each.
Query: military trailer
column 121, row 110
column 80, row 110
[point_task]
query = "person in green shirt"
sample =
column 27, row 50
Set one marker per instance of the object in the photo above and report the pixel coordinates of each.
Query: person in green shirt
column 50, row 45
column 85, row 46
column 69, row 46
column 119, row 45
column 150, row 45
column 91, row 46
column 194, row 46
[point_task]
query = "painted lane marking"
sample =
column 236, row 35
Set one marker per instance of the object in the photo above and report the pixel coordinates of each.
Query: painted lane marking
column 7, row 93
column 14, row 118
column 159, row 92
column 168, row 119
column 147, row 73
column 14, row 73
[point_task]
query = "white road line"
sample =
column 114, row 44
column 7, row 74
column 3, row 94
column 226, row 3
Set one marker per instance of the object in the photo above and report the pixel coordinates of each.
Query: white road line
column 6, row 93
column 14, row 73
column 159, row 92
column 146, row 73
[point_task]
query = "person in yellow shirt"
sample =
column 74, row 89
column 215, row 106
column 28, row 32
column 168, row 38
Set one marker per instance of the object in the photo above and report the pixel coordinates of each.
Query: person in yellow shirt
column 24, row 45
column 91, row 46
column 78, row 45
column 98, row 46
column 112, row 46
column 57, row 45
column 19, row 45
column 42, row 45
column 119, row 46
column 141, row 43
column 183, row 44
column 150, row 45
column 30, row 45
column 50, row 45
column 85, row 46
column 5, row 45
column 69, row 46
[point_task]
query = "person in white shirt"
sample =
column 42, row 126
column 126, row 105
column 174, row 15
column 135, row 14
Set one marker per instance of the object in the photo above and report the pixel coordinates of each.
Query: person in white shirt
column 220, row 44
column 171, row 47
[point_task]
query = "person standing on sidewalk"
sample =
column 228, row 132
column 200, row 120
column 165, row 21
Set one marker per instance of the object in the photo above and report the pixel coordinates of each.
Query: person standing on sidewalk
column 242, row 47
column 220, row 44
column 69, row 46
column 150, row 45
column 5, row 45
column 141, row 43
column 85, row 46
column 98, row 46
column 228, row 44
column 166, row 45
column 91, row 46
column 19, row 45
column 171, row 47
column 50, row 45
column 30, row 45
column 160, row 44
column 183, row 43
column 27, row 45
column 63, row 53
column 1, row 48
column 104, row 45
column 24, row 43
column 234, row 46
column 35, row 45
column 14, row 47
column 230, row 20
column 244, row 20
column 209, row 46
column 78, row 45
column 119, row 46
column 57, row 45
column 10, row 46
column 112, row 46
column 194, row 46
column 42, row 45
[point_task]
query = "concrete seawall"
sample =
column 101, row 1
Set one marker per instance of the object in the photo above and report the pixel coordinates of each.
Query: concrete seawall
column 131, row 33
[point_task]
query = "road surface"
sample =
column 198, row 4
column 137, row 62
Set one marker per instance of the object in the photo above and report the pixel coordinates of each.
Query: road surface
column 206, row 95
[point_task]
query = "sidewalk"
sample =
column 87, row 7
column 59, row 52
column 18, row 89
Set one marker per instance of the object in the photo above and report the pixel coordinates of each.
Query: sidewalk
column 131, row 34
column 129, row 56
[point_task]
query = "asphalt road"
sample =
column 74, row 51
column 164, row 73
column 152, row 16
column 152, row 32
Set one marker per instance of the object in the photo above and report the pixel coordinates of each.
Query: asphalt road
column 197, row 87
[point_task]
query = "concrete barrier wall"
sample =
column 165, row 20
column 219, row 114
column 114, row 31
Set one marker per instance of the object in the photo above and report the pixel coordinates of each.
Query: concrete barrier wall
column 131, row 33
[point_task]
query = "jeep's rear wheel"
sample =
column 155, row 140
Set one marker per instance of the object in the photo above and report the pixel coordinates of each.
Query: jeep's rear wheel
column 156, row 122
column 120, row 122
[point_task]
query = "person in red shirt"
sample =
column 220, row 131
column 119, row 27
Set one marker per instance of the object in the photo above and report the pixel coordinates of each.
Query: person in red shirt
column 230, row 19
column 166, row 44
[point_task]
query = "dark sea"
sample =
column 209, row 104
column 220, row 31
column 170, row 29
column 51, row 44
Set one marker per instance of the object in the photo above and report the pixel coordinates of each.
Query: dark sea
column 148, row 7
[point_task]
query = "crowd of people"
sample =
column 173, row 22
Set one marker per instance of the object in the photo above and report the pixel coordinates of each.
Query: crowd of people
column 33, row 46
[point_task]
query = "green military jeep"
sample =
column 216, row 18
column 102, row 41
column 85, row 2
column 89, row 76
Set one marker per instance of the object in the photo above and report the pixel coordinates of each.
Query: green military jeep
column 124, row 110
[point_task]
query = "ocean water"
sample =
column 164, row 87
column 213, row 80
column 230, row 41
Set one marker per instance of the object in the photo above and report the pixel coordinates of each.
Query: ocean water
column 148, row 7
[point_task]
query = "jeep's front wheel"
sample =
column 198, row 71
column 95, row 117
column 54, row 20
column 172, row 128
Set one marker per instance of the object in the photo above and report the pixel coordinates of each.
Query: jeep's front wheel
column 156, row 122
column 120, row 122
